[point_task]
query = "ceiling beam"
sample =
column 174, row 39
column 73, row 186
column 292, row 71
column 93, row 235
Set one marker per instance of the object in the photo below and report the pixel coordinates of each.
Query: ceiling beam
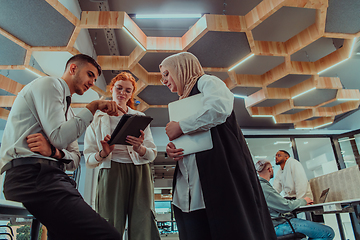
column 64, row 11
column 102, row 19
column 4, row 113
column 113, row 62
column 7, row 101
column 10, row 85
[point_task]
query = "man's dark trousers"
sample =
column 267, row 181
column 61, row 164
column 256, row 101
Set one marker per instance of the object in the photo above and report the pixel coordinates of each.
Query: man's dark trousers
column 51, row 196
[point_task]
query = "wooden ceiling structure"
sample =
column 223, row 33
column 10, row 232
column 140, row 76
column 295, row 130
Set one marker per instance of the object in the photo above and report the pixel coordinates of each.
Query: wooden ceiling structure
column 321, row 114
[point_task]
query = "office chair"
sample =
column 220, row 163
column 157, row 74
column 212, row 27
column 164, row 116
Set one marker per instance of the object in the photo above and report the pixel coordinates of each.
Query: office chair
column 10, row 235
column 292, row 236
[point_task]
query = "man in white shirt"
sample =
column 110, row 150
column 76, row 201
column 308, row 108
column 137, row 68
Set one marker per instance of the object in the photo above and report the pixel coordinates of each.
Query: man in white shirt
column 291, row 177
column 39, row 143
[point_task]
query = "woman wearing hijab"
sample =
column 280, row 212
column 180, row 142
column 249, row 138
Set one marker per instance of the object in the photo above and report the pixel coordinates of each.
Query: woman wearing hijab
column 216, row 193
column 125, row 186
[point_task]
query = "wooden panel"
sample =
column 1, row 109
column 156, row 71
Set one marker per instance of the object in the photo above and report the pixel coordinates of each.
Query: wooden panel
column 328, row 83
column 251, row 40
column 14, row 39
column 303, row 39
column 10, row 85
column 283, row 107
column 307, row 3
column 320, row 19
column 64, row 11
column 348, row 94
column 73, row 51
column 27, row 57
column 324, row 121
column 140, row 72
column 275, row 74
column 246, row 80
column 12, row 67
column 135, row 56
column 154, row 79
column 74, row 36
column 307, row 68
column 229, row 83
column 7, row 101
column 297, row 117
column 4, row 113
column 263, row 111
column 225, row 23
column 335, row 57
column 340, row 35
column 262, row 11
column 140, row 85
column 113, row 62
column 338, row 109
column 102, row 19
column 164, row 44
column 269, row 48
column 255, row 98
column 135, row 31
column 303, row 87
column 49, row 49
column 195, row 33
column 158, row 106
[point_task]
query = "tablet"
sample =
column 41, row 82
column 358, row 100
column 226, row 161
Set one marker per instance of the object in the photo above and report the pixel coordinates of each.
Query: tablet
column 129, row 125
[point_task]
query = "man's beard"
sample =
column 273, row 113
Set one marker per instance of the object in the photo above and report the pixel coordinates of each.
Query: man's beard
column 278, row 162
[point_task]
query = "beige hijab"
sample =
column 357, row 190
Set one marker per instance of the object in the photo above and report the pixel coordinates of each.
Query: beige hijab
column 185, row 69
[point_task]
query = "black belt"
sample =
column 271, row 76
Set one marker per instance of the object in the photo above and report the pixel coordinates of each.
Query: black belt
column 31, row 160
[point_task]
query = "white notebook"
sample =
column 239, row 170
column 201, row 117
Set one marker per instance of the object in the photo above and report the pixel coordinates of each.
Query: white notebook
column 195, row 142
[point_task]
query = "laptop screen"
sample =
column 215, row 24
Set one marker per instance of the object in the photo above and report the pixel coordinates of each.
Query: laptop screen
column 323, row 195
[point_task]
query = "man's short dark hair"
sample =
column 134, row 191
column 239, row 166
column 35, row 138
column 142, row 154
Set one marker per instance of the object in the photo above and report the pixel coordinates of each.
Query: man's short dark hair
column 81, row 58
column 285, row 152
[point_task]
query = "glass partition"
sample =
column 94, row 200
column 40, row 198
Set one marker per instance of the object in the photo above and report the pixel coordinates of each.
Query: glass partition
column 347, row 151
column 316, row 155
column 266, row 148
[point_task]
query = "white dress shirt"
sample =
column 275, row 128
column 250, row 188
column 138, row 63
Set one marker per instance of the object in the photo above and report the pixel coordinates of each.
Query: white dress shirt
column 40, row 108
column 292, row 180
column 97, row 131
column 218, row 104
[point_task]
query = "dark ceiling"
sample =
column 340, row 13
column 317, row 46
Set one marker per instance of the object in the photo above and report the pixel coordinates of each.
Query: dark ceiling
column 39, row 23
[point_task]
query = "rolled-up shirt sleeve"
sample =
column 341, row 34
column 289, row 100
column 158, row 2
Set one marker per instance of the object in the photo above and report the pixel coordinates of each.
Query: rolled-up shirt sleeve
column 50, row 111
column 72, row 153
column 218, row 102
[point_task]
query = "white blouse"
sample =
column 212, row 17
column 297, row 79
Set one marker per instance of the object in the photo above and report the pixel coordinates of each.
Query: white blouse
column 218, row 104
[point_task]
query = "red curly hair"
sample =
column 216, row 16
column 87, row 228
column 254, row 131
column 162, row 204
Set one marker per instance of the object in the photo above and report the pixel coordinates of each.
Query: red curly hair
column 125, row 76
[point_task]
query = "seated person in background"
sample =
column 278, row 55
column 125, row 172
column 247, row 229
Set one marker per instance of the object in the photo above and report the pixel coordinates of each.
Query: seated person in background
column 279, row 206
column 291, row 178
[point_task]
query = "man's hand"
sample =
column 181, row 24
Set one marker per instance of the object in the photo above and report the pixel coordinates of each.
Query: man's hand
column 173, row 130
column 39, row 144
column 174, row 153
column 106, row 106
column 309, row 201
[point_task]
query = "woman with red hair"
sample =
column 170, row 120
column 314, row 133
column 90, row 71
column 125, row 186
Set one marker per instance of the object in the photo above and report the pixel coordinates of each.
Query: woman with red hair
column 125, row 183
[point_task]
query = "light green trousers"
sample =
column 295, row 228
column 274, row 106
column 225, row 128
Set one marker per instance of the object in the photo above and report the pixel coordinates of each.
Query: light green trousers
column 127, row 191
